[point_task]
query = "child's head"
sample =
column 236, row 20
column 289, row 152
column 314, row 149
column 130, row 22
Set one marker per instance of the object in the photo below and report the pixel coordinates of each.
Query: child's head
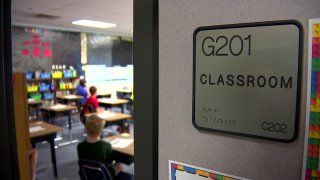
column 94, row 125
column 92, row 90
column 83, row 82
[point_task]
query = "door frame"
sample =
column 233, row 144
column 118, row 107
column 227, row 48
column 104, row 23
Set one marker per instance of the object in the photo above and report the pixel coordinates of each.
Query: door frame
column 146, row 91
column 8, row 147
column 146, row 87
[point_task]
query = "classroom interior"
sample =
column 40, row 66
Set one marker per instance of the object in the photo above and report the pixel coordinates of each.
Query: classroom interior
column 51, row 56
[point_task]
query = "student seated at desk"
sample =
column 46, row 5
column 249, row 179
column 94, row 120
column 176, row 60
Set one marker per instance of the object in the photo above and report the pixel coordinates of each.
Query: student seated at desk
column 92, row 100
column 95, row 149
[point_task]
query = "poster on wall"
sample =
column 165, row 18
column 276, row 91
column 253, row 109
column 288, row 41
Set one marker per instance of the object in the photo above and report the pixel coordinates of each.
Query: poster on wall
column 311, row 163
column 182, row 171
column 247, row 79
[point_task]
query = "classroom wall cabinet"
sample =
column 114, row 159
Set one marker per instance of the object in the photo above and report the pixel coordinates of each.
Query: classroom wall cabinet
column 48, row 88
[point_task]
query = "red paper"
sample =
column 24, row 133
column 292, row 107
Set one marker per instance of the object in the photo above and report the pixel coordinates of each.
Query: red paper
column 45, row 44
column 25, row 52
column 35, row 36
column 36, row 51
column 47, row 53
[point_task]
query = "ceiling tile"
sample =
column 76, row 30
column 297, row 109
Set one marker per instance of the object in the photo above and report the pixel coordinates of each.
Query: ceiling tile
column 114, row 11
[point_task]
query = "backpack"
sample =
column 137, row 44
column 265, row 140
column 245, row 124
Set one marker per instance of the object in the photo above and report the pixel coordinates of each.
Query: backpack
column 86, row 109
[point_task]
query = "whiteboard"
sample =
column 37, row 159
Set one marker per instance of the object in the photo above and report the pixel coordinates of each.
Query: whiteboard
column 96, row 73
column 102, row 73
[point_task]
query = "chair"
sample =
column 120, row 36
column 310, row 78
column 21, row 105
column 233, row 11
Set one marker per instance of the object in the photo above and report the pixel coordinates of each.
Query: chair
column 91, row 170
column 86, row 109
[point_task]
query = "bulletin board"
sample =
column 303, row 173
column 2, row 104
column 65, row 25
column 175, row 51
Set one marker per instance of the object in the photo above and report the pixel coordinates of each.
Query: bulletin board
column 181, row 171
column 311, row 165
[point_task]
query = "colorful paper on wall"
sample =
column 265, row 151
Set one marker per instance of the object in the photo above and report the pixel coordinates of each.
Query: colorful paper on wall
column 311, row 167
column 36, row 48
column 181, row 171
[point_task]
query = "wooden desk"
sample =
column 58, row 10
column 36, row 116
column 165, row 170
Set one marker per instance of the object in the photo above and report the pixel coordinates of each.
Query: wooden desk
column 111, row 116
column 35, row 102
column 70, row 97
column 110, row 102
column 124, row 94
column 47, row 133
column 126, row 91
column 48, row 129
column 66, row 99
column 59, row 108
column 104, row 95
column 114, row 118
column 54, row 110
column 124, row 155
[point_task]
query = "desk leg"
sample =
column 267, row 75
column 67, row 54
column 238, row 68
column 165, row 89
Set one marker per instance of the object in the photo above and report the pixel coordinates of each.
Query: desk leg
column 126, row 126
column 122, row 108
column 79, row 105
column 51, row 117
column 69, row 126
column 37, row 112
column 53, row 155
column 48, row 115
column 69, row 120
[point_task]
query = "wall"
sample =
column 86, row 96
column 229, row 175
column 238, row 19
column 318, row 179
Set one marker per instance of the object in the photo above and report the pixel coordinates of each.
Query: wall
column 99, row 49
column 122, row 51
column 65, row 49
column 178, row 139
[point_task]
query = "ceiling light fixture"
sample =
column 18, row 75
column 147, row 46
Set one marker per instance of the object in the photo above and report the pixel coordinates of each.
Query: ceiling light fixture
column 90, row 23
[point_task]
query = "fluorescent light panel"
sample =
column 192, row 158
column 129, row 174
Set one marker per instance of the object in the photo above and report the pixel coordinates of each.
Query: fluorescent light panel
column 90, row 23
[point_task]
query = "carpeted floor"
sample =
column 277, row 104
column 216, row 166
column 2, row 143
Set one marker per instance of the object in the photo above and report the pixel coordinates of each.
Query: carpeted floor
column 67, row 155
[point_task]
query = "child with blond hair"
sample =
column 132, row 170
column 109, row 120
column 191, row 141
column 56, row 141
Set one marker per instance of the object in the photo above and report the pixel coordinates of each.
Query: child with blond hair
column 95, row 149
